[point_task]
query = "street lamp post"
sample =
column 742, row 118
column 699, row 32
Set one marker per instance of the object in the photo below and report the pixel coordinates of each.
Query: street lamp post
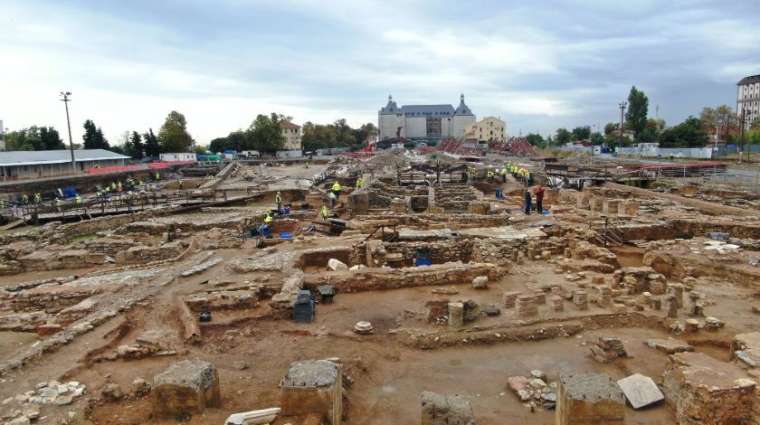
column 622, row 106
column 65, row 99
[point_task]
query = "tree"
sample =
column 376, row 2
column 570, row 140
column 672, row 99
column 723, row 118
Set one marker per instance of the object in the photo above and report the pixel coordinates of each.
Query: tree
column 563, row 136
column 688, row 134
column 597, row 138
column 363, row 133
column 119, row 149
column 200, row 149
column 173, row 135
column 636, row 116
column 34, row 139
column 581, row 133
column 133, row 145
column 49, row 139
column 265, row 134
column 611, row 128
column 755, row 125
column 152, row 146
column 721, row 121
column 218, row 145
column 535, row 140
column 237, row 141
column 93, row 136
column 753, row 136
column 138, row 145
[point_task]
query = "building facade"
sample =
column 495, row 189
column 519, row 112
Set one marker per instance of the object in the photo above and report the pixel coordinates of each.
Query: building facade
column 424, row 121
column 292, row 134
column 748, row 99
column 489, row 129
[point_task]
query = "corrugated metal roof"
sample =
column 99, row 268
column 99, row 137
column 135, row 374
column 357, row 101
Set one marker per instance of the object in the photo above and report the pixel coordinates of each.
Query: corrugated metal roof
column 17, row 158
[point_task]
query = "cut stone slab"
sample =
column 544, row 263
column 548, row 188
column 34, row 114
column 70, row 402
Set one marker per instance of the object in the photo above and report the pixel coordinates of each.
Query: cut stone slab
column 186, row 387
column 640, row 390
column 441, row 409
column 669, row 346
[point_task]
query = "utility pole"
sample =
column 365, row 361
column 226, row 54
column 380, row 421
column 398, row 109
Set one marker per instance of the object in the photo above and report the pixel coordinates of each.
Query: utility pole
column 622, row 106
column 65, row 99
column 741, row 123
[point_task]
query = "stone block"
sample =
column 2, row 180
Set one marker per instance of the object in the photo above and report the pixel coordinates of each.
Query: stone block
column 611, row 206
column 589, row 399
column 629, row 208
column 596, row 205
column 185, row 388
column 441, row 409
column 313, row 387
column 336, row 265
column 557, row 303
column 480, row 282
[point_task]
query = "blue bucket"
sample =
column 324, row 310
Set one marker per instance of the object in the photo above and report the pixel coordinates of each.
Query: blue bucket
column 286, row 235
column 420, row 262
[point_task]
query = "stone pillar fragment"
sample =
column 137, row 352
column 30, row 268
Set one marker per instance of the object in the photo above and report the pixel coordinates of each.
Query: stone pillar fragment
column 580, row 299
column 456, row 315
column 526, row 306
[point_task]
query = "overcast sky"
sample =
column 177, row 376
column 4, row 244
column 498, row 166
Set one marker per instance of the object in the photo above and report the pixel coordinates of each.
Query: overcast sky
column 538, row 64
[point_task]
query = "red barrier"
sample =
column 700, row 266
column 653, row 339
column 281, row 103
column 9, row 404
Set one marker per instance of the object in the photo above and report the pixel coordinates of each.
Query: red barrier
column 116, row 169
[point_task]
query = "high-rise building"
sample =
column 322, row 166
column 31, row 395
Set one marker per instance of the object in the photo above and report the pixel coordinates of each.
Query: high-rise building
column 424, row 121
column 748, row 99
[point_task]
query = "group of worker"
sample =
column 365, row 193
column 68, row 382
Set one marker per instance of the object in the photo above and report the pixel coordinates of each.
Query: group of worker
column 528, row 205
column 324, row 212
column 518, row 172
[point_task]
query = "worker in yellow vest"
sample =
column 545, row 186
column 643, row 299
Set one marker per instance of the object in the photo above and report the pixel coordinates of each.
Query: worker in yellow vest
column 278, row 201
column 324, row 212
column 268, row 219
column 37, row 198
column 336, row 188
column 78, row 199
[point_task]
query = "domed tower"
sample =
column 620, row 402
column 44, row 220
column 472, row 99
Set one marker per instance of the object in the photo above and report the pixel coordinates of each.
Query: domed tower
column 463, row 117
column 390, row 120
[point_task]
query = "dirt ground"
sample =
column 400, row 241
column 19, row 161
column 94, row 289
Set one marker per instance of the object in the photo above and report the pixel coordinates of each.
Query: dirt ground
column 252, row 347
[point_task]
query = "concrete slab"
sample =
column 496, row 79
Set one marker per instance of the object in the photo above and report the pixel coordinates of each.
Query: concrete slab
column 640, row 390
column 669, row 346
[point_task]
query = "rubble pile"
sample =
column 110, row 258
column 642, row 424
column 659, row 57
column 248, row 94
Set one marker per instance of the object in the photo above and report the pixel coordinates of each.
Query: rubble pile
column 534, row 390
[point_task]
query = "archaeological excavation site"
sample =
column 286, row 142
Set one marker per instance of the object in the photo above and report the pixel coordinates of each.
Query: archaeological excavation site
column 399, row 288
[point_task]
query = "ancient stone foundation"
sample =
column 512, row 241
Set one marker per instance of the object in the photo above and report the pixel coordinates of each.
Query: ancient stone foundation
column 706, row 391
column 438, row 409
column 313, row 387
column 592, row 399
column 185, row 388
